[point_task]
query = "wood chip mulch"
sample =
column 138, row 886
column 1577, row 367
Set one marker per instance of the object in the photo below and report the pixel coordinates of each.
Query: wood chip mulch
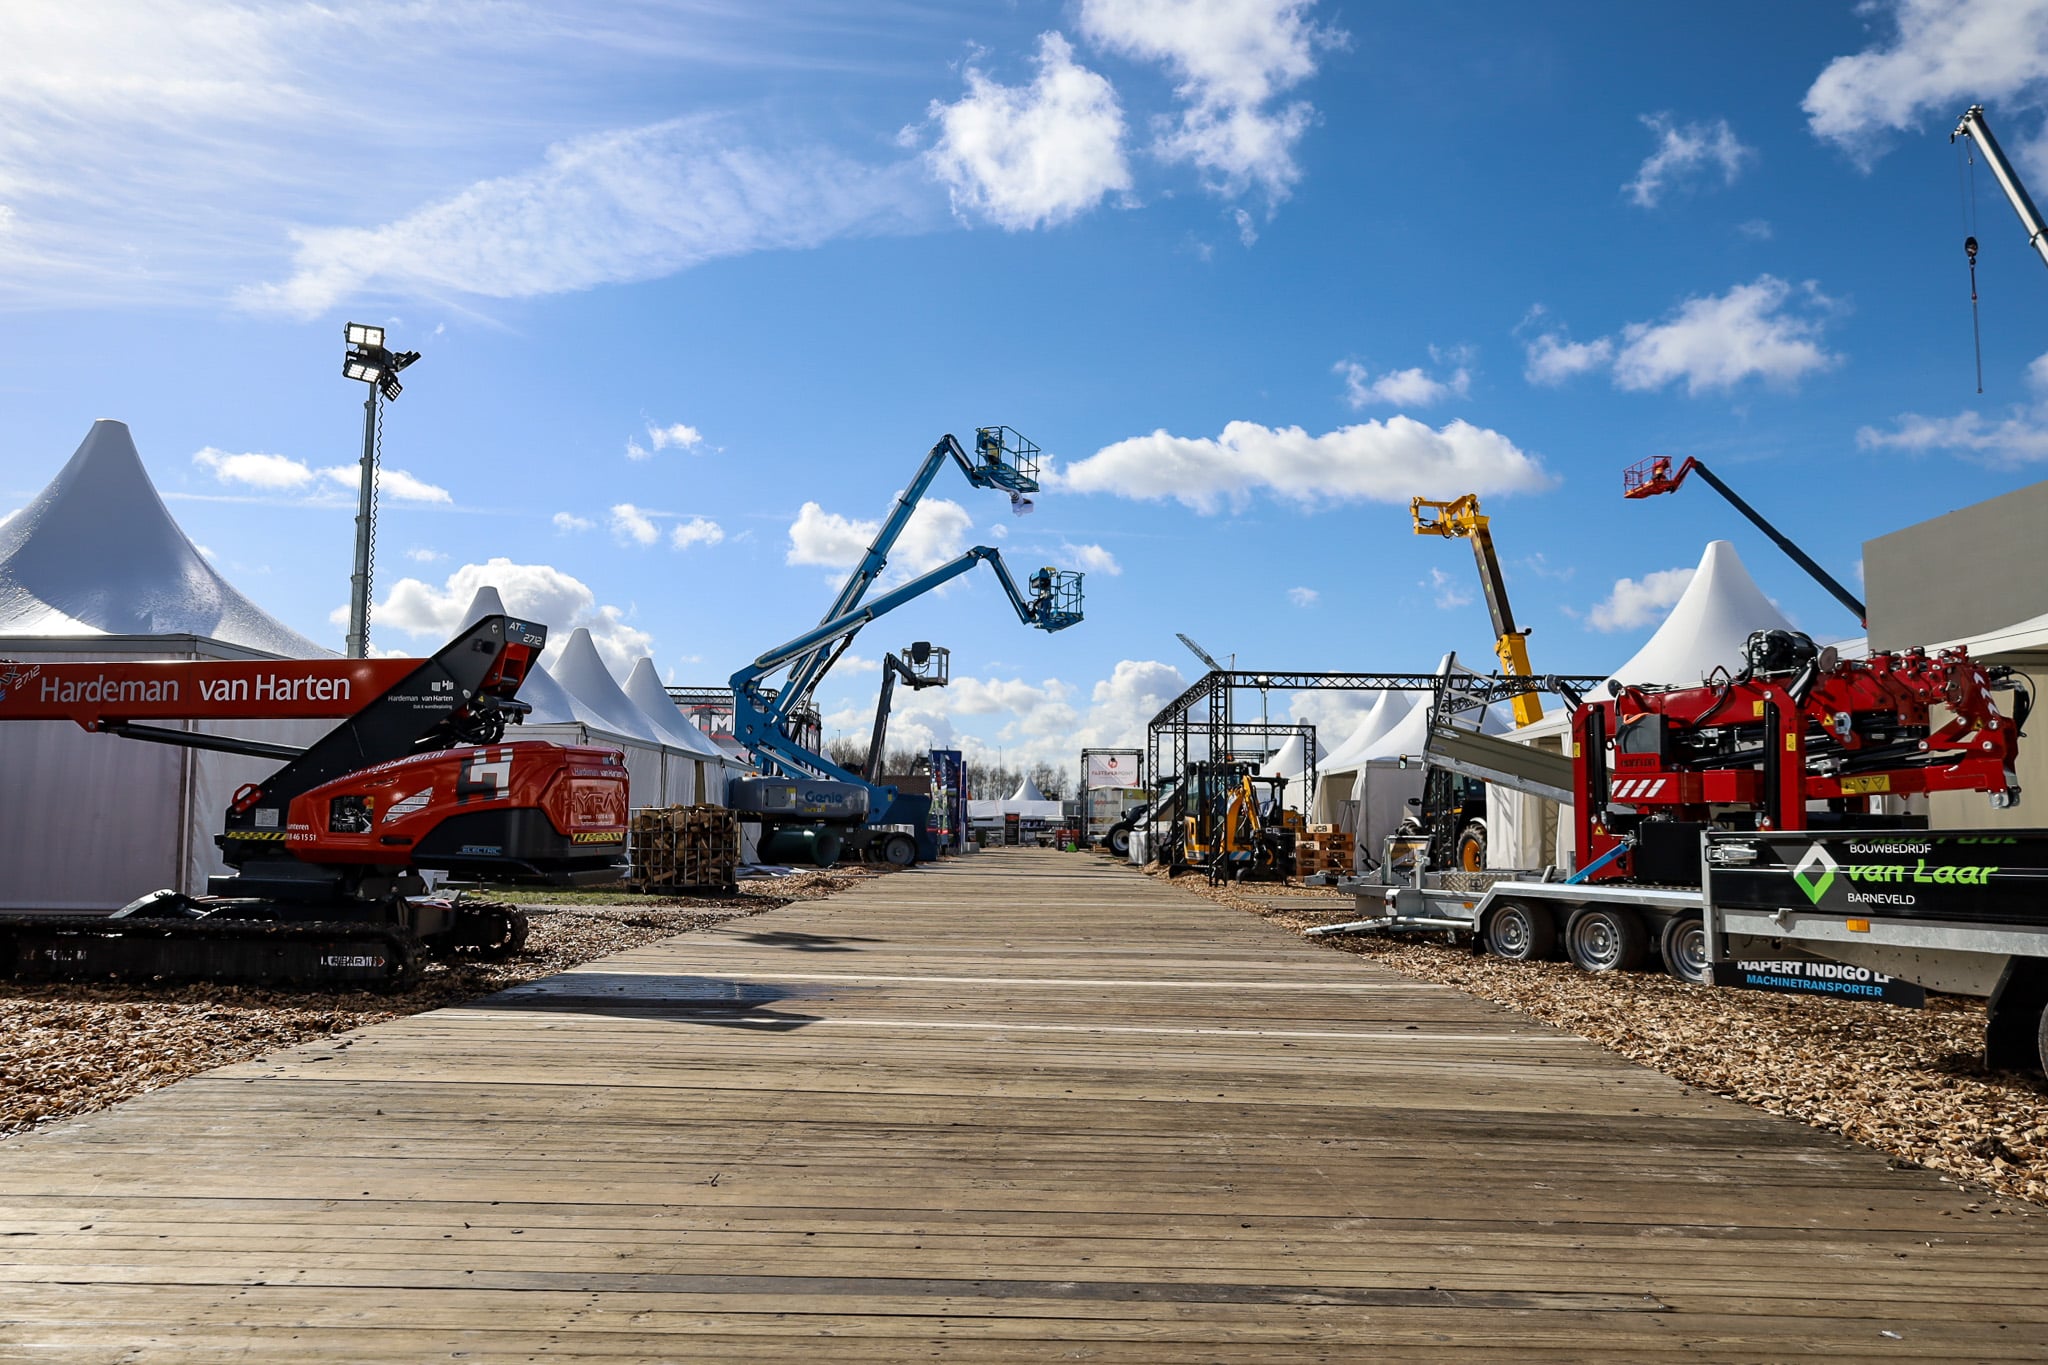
column 70, row 1049
column 1910, row 1083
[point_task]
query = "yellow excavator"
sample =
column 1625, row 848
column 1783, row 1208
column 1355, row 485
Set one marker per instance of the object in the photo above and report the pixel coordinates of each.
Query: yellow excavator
column 1462, row 517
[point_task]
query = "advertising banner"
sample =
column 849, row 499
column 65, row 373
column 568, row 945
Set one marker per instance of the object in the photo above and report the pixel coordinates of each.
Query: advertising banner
column 1111, row 767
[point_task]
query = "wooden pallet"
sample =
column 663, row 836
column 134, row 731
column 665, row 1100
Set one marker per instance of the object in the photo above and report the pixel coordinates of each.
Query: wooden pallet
column 685, row 848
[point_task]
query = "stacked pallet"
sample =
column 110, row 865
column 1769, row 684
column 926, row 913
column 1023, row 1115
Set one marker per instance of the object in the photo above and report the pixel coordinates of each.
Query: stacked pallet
column 685, row 848
column 1324, row 848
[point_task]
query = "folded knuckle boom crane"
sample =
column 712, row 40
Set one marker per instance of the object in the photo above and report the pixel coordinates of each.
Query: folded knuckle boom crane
column 326, row 853
column 805, row 803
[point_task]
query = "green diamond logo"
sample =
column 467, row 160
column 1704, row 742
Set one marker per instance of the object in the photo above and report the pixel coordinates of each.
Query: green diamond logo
column 1815, row 873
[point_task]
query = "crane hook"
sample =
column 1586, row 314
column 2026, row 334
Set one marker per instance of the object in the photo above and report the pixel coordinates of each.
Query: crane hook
column 1976, row 330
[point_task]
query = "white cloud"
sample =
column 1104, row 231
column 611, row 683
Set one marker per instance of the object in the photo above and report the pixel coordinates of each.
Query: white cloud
column 391, row 483
column 677, row 435
column 1756, row 229
column 1448, row 590
column 696, row 531
column 1247, row 230
column 1683, row 152
column 1940, row 57
column 1718, row 341
column 282, row 474
column 1303, row 597
column 1232, row 60
column 419, row 554
column 542, row 592
column 2021, row 436
column 275, row 473
column 568, row 523
column 10, row 516
column 1413, row 388
column 854, row 663
column 1032, row 156
column 1638, row 602
column 1374, row 461
column 606, row 208
column 1091, row 559
column 1554, row 359
column 936, row 533
column 632, row 526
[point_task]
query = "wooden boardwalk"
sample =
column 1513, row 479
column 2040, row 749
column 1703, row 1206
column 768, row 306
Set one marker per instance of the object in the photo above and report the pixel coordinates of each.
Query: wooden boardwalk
column 1024, row 1107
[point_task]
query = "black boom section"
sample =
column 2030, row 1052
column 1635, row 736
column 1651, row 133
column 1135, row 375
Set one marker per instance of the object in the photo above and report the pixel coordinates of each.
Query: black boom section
column 463, row 694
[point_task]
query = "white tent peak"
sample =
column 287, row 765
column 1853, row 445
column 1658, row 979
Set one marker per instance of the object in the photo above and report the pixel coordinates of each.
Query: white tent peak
column 643, row 688
column 97, row 553
column 1386, row 712
column 583, row 675
column 1027, row 790
column 485, row 603
column 1291, row 761
column 1707, row 627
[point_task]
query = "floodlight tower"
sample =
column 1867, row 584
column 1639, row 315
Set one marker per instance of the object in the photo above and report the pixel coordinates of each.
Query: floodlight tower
column 370, row 363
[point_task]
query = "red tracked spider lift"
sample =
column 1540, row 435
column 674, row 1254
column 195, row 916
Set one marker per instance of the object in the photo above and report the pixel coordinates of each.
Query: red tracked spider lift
column 327, row 851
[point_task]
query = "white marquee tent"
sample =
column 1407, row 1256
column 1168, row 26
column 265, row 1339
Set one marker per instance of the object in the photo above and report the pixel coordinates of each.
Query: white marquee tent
column 1706, row 629
column 707, row 765
column 95, row 568
column 1291, row 762
column 579, row 702
column 1338, row 774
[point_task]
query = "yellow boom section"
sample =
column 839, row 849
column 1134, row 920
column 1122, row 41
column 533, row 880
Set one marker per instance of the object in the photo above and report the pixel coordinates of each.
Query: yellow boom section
column 1461, row 518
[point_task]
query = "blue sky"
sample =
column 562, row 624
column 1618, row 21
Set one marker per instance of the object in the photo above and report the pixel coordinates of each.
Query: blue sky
column 1254, row 272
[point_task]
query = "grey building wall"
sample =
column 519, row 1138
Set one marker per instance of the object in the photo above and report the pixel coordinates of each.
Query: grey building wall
column 1974, row 570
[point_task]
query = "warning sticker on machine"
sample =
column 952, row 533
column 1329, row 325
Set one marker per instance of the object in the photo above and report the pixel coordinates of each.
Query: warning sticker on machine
column 1798, row 976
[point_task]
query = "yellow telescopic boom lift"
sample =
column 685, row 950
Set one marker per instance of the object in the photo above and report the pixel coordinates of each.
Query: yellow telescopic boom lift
column 1461, row 517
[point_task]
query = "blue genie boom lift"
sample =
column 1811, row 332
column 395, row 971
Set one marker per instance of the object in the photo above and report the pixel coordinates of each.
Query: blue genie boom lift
column 809, row 807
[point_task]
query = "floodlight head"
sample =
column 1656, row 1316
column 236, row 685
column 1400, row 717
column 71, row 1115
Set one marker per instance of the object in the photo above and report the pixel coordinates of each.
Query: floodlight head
column 361, row 368
column 390, row 387
column 362, row 334
column 403, row 359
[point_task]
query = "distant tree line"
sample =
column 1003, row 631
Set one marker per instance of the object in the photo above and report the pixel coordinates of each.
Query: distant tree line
column 985, row 781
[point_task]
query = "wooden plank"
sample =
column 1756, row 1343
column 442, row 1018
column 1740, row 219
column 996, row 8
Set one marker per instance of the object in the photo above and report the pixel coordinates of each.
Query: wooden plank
column 1021, row 1104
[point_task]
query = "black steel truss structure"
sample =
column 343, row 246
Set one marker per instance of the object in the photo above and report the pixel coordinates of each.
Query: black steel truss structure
column 1201, row 722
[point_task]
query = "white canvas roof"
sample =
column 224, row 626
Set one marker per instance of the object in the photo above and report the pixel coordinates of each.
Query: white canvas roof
column 1407, row 735
column 1291, row 762
column 97, row 553
column 1707, row 626
column 583, row 676
column 1387, row 709
column 643, row 688
column 1027, row 790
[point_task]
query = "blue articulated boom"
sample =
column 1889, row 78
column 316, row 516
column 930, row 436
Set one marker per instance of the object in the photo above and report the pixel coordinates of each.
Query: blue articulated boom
column 1001, row 459
column 1054, row 604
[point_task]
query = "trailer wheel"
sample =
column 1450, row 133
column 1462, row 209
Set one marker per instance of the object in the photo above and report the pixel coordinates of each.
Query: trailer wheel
column 1683, row 945
column 1603, row 940
column 1119, row 841
column 1521, row 933
column 2041, row 1042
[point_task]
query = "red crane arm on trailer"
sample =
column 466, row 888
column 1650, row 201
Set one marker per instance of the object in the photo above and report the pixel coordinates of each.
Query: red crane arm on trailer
column 1796, row 726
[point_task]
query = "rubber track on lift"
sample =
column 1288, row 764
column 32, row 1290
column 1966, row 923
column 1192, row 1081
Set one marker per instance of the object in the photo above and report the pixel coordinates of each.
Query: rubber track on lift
column 325, row 953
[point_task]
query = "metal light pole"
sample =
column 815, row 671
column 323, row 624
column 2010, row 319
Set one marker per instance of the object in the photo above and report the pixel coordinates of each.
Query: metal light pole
column 368, row 362
column 366, row 534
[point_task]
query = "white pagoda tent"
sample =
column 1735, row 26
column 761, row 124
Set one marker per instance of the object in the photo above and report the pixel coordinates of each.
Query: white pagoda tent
column 1707, row 628
column 1290, row 761
column 708, row 767
column 1337, row 774
column 95, row 568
